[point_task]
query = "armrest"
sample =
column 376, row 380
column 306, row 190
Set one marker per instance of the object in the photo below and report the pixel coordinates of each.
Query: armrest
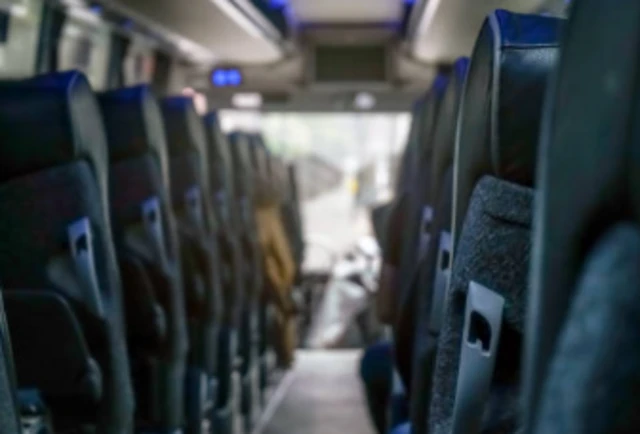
column 49, row 347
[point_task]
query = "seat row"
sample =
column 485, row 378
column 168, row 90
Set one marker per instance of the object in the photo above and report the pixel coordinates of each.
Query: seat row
column 130, row 262
column 513, row 239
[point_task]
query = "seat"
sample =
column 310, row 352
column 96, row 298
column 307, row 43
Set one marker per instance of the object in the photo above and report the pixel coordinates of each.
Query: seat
column 392, row 243
column 62, row 286
column 476, row 376
column 581, row 353
column 272, row 171
column 146, row 242
column 223, row 190
column 417, row 229
column 240, row 147
column 292, row 211
column 9, row 418
column 197, row 229
column 434, row 270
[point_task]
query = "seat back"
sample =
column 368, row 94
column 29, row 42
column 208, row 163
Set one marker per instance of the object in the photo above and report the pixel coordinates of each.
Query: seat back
column 146, row 240
column 581, row 358
column 9, row 418
column 61, row 276
column 222, row 188
column 245, row 187
column 434, row 270
column 198, row 233
column 244, row 180
column 231, row 254
column 478, row 359
column 416, row 233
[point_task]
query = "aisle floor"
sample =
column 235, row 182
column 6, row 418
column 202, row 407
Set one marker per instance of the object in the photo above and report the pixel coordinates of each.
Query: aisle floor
column 321, row 395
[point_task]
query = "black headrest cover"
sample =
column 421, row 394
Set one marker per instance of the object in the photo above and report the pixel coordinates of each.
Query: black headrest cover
column 501, row 107
column 409, row 153
column 134, row 125
column 49, row 121
column 429, row 120
column 259, row 154
column 185, row 131
column 445, row 132
column 217, row 140
column 242, row 166
column 220, row 163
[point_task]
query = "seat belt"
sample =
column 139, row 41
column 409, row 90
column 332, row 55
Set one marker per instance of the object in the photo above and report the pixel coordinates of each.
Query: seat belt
column 80, row 237
column 479, row 348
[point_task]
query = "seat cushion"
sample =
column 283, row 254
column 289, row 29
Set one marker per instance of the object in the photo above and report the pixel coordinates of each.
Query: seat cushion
column 593, row 384
column 494, row 252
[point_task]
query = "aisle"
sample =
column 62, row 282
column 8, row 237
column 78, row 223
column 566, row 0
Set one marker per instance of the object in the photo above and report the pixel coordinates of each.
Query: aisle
column 322, row 395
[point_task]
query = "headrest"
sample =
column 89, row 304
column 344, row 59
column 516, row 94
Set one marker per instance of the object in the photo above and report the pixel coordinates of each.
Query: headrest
column 134, row 125
column 259, row 154
column 185, row 132
column 49, row 121
column 239, row 144
column 502, row 103
column 589, row 183
column 445, row 132
column 220, row 163
column 242, row 167
column 216, row 139
column 429, row 119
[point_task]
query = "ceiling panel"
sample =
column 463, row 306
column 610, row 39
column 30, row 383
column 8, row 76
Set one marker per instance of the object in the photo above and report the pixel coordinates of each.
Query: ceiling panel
column 448, row 28
column 203, row 23
column 347, row 11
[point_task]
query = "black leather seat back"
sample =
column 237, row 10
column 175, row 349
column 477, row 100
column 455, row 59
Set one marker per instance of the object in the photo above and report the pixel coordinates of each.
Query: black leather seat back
column 581, row 354
column 9, row 418
column 146, row 240
column 224, row 204
column 249, row 338
column 477, row 365
column 60, row 271
column 416, row 232
column 220, row 169
column 433, row 272
column 244, row 187
column 192, row 199
column 198, row 230
column 498, row 136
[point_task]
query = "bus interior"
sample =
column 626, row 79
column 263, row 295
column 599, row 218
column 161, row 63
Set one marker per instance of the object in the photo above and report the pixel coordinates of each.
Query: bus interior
column 319, row 217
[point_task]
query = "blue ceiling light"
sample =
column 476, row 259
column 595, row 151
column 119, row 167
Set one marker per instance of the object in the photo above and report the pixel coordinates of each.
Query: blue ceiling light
column 234, row 78
column 409, row 2
column 226, row 77
column 96, row 9
column 219, row 78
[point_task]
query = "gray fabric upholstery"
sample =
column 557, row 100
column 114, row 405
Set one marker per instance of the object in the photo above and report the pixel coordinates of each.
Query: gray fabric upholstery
column 593, row 385
column 493, row 251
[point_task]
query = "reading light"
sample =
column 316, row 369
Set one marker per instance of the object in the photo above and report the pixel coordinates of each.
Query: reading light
column 223, row 77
